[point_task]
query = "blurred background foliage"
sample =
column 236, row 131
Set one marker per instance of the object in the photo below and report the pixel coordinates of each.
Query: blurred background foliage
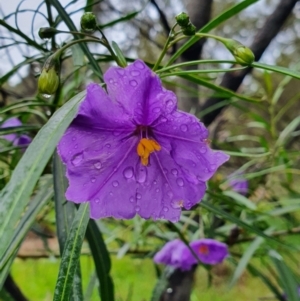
column 256, row 120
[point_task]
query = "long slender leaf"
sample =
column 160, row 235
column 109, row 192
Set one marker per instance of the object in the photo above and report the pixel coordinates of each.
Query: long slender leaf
column 71, row 255
column 64, row 15
column 15, row 195
column 102, row 261
column 65, row 212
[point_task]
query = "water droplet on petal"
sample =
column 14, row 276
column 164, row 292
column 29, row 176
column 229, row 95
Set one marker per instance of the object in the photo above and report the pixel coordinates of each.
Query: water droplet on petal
column 163, row 119
column 203, row 150
column 133, row 83
column 116, row 133
column 135, row 72
column 131, row 199
column 180, row 182
column 213, row 167
column 97, row 201
column 77, row 159
column 73, row 138
column 115, row 183
column 111, row 193
column 128, row 173
column 166, row 209
column 138, row 196
column 154, row 182
column 206, row 170
column 120, row 71
column 139, row 65
column 184, row 127
column 165, row 171
column 107, row 145
column 156, row 110
column 98, row 165
column 174, row 171
column 93, row 180
column 169, row 102
column 76, row 146
column 169, row 194
column 141, row 174
column 157, row 190
column 162, row 216
column 137, row 208
column 111, row 81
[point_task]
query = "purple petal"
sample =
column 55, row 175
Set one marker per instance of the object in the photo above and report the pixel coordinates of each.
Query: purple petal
column 187, row 139
column 238, row 183
column 164, row 256
column 23, row 140
column 209, row 251
column 139, row 91
column 11, row 122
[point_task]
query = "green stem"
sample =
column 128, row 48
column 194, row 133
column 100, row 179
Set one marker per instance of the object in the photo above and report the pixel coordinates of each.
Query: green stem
column 165, row 49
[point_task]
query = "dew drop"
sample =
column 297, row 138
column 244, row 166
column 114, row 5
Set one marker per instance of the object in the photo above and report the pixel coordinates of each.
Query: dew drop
column 163, row 119
column 97, row 201
column 111, row 81
column 116, row 133
column 206, row 170
column 165, row 171
column 128, row 173
column 213, row 167
column 111, row 193
column 180, row 182
column 141, row 174
column 46, row 95
column 73, row 138
column 169, row 102
column 133, row 83
column 137, row 208
column 156, row 110
column 93, row 180
column 162, row 216
column 166, row 209
column 107, row 145
column 115, row 183
column 169, row 194
column 139, row 65
column 157, row 190
column 77, row 159
column 131, row 199
column 76, row 146
column 138, row 196
column 203, row 150
column 174, row 171
column 154, row 182
column 183, row 127
column 135, row 73
column 98, row 165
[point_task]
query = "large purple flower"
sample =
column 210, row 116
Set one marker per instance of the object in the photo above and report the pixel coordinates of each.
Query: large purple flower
column 176, row 254
column 17, row 140
column 130, row 151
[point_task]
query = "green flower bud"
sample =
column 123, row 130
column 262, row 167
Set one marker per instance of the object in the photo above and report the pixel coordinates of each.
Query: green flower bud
column 182, row 19
column 242, row 54
column 189, row 30
column 88, row 22
column 47, row 32
column 49, row 79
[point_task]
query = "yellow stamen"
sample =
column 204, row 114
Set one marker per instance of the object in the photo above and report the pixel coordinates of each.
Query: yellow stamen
column 145, row 148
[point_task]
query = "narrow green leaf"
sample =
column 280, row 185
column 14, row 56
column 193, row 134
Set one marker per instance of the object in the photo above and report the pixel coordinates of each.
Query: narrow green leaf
column 119, row 54
column 212, row 24
column 102, row 261
column 42, row 196
column 240, row 199
column 65, row 213
column 65, row 17
column 15, row 195
column 71, row 255
column 286, row 276
column 161, row 284
column 123, row 19
column 288, row 130
column 277, row 69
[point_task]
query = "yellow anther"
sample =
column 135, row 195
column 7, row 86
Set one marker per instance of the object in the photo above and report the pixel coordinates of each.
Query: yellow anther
column 145, row 148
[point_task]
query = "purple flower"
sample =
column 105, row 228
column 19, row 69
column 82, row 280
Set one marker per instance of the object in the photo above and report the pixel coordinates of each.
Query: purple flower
column 176, row 254
column 130, row 151
column 285, row 297
column 238, row 183
column 17, row 140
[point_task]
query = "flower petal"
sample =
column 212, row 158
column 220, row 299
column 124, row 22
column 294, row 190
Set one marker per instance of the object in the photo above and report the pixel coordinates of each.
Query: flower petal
column 210, row 251
column 139, row 91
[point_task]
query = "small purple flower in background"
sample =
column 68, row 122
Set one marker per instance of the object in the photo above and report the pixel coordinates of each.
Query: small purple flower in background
column 238, row 183
column 17, row 140
column 130, row 151
column 176, row 254
column 285, row 297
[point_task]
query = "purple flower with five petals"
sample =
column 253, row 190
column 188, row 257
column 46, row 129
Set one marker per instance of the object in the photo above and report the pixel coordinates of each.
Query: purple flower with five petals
column 176, row 254
column 130, row 151
column 17, row 140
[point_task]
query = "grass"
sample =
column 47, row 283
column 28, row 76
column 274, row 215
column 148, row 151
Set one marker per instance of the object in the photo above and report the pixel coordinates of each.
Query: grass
column 134, row 280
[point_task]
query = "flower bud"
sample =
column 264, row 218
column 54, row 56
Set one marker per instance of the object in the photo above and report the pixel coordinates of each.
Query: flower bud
column 49, row 79
column 242, row 54
column 189, row 30
column 47, row 32
column 88, row 22
column 182, row 19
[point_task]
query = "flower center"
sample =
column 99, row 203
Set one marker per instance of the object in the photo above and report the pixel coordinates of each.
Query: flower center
column 145, row 148
column 203, row 250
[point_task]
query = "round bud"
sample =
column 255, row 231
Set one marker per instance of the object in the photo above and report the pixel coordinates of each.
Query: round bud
column 189, row 30
column 88, row 22
column 47, row 32
column 182, row 19
column 242, row 54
